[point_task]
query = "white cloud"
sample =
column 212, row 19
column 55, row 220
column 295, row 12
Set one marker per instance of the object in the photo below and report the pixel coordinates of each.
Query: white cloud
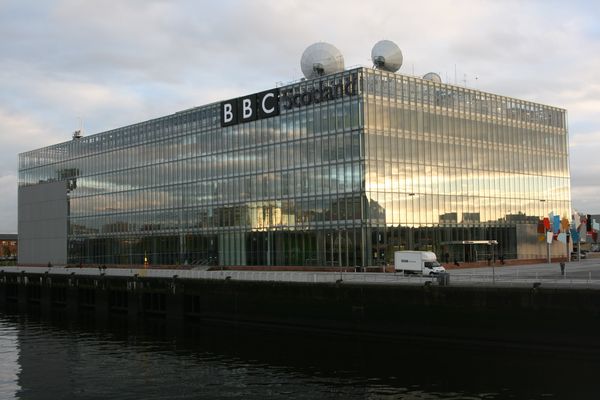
column 18, row 133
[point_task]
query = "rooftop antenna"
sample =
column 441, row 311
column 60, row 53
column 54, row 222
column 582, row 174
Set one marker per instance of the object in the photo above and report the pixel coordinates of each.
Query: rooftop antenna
column 455, row 80
column 321, row 59
column 78, row 134
column 433, row 77
column 386, row 55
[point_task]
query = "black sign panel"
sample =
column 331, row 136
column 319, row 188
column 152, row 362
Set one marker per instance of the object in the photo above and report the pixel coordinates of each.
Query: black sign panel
column 246, row 107
column 250, row 108
column 269, row 103
column 229, row 113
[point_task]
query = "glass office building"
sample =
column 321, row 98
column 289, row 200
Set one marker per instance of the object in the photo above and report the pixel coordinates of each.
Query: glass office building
column 352, row 167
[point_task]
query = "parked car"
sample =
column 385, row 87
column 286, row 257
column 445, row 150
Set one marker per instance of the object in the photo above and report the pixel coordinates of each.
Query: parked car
column 574, row 255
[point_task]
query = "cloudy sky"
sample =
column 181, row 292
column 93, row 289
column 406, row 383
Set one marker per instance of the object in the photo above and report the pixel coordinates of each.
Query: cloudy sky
column 113, row 63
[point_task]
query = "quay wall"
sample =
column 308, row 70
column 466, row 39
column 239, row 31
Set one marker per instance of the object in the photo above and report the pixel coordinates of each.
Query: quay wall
column 558, row 317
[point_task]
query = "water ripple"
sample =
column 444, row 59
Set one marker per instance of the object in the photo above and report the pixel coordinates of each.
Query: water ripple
column 42, row 359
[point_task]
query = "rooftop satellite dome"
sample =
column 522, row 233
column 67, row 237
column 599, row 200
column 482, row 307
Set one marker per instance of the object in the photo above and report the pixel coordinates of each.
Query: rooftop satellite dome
column 386, row 55
column 321, row 59
column 433, row 77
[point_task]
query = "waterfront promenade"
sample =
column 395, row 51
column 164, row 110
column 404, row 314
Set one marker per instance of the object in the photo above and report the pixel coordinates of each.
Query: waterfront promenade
column 578, row 274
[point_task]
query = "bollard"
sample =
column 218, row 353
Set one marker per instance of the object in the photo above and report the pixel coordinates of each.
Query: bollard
column 562, row 268
column 443, row 279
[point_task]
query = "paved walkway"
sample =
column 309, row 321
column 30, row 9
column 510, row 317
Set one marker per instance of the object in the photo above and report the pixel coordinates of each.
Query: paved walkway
column 583, row 274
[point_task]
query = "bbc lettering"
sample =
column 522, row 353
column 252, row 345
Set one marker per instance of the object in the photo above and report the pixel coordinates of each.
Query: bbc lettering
column 250, row 108
column 267, row 104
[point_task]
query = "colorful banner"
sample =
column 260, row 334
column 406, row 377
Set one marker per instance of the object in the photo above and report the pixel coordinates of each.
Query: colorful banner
column 556, row 224
column 549, row 237
column 562, row 237
column 547, row 223
column 575, row 235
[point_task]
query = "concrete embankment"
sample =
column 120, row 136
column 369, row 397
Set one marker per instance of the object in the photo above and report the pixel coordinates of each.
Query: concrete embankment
column 512, row 315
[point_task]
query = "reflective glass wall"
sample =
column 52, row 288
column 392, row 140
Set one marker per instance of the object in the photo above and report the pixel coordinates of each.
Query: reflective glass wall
column 447, row 165
column 181, row 189
column 402, row 163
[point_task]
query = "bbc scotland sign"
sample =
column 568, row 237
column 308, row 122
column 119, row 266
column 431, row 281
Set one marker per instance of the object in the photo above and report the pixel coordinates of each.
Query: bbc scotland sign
column 269, row 103
column 250, row 108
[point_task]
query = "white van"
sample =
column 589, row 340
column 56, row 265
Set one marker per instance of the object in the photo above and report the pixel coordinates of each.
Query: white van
column 417, row 262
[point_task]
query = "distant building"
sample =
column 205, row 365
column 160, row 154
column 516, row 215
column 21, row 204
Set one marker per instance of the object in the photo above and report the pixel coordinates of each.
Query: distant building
column 471, row 218
column 8, row 246
column 339, row 170
column 449, row 218
column 593, row 229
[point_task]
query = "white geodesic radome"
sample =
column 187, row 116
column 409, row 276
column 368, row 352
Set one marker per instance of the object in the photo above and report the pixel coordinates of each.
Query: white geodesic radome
column 386, row 55
column 433, row 77
column 321, row 59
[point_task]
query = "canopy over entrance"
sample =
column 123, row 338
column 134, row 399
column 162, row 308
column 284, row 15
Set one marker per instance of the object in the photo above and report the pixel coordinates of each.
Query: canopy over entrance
column 469, row 250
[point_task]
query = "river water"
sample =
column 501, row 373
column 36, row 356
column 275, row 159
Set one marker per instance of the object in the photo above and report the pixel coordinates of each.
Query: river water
column 56, row 358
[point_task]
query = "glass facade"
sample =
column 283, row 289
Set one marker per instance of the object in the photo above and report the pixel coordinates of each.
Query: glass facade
column 402, row 163
column 446, row 166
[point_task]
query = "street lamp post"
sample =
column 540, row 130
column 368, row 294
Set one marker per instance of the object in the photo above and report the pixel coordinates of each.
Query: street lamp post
column 413, row 217
column 564, row 226
column 546, row 230
column 491, row 251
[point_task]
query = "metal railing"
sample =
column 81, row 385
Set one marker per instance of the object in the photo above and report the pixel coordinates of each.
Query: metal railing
column 454, row 279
